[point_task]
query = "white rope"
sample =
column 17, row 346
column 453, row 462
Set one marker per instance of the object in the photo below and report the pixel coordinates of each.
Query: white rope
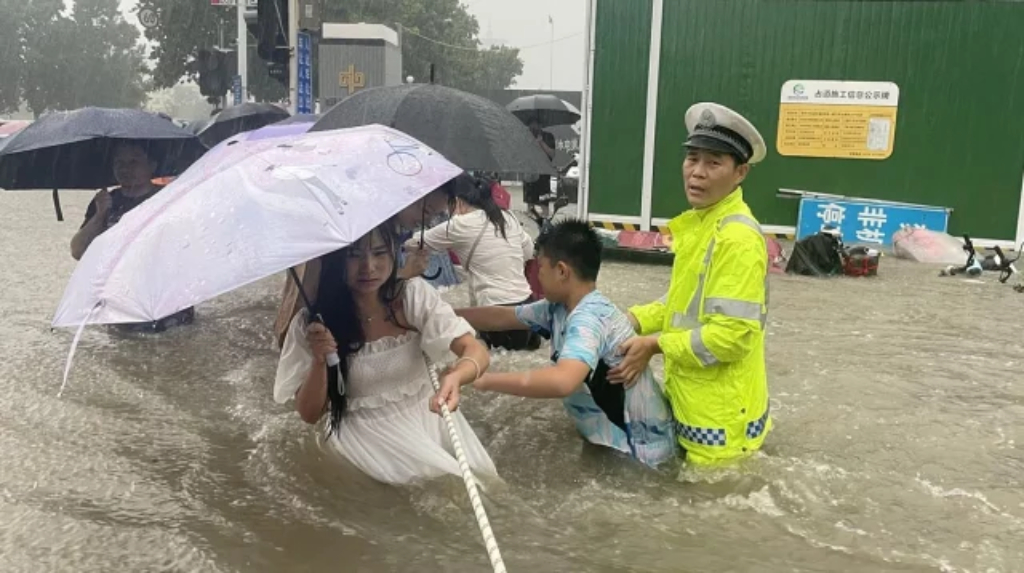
column 467, row 476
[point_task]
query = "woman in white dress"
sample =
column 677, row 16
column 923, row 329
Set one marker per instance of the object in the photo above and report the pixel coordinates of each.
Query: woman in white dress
column 380, row 399
column 492, row 247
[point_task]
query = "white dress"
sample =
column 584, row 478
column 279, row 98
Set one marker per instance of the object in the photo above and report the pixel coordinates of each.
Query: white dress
column 388, row 430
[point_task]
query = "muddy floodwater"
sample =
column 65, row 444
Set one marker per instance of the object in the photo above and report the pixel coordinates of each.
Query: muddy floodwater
column 898, row 444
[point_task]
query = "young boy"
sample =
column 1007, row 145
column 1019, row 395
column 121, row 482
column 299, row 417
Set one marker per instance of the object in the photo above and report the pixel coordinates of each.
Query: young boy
column 586, row 331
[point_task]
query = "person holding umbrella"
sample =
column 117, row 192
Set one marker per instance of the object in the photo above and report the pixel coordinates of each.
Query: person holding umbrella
column 330, row 194
column 493, row 248
column 538, row 112
column 414, row 262
column 377, row 397
column 535, row 192
column 75, row 150
column 133, row 170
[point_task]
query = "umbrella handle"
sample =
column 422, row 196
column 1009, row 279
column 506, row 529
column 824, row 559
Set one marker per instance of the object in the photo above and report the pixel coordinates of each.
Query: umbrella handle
column 56, row 205
column 423, row 231
column 332, row 358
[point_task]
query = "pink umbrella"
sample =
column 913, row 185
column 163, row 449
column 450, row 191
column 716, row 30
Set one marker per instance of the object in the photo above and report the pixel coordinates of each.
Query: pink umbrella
column 8, row 128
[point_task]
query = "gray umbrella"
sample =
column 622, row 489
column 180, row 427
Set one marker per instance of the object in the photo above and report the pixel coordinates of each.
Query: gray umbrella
column 240, row 118
column 546, row 109
column 75, row 149
column 195, row 126
column 300, row 118
column 470, row 131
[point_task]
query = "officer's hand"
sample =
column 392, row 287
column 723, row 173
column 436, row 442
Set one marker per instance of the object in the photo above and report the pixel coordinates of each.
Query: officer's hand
column 636, row 355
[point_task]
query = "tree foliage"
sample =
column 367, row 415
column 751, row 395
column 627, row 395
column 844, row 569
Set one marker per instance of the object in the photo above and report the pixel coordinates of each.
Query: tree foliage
column 55, row 58
column 183, row 101
column 186, row 27
column 11, row 15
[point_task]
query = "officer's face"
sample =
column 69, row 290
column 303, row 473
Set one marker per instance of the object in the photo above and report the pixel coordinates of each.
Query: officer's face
column 710, row 177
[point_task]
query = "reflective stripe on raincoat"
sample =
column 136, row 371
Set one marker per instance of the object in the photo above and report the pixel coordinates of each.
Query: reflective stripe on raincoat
column 712, row 323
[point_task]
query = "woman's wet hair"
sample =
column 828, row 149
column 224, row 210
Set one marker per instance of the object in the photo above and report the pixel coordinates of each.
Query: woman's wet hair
column 476, row 192
column 337, row 306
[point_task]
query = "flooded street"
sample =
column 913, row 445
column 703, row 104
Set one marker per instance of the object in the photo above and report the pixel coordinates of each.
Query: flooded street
column 898, row 444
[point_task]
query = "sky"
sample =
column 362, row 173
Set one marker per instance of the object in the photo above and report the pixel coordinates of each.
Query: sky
column 523, row 24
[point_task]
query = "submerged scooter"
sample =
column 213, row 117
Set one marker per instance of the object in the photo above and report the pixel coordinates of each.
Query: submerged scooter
column 999, row 262
column 972, row 268
column 544, row 223
column 556, row 199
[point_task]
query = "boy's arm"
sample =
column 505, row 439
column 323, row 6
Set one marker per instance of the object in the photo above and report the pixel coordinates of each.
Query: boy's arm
column 492, row 318
column 579, row 355
column 536, row 315
column 556, row 381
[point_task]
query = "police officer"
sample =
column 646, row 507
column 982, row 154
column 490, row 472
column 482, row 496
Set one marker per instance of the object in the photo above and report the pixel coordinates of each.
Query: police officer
column 710, row 325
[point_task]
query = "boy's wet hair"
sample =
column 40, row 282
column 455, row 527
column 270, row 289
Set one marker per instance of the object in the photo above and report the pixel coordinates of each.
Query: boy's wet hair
column 573, row 242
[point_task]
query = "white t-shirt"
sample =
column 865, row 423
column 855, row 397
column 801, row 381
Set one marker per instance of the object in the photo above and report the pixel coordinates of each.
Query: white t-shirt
column 496, row 267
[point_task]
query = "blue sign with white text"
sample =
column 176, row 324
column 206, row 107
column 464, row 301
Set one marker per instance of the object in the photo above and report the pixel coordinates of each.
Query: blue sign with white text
column 236, row 88
column 870, row 222
column 304, row 54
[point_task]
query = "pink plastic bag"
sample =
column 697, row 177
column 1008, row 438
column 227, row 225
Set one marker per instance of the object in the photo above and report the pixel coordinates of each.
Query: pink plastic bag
column 502, row 197
column 925, row 246
column 776, row 255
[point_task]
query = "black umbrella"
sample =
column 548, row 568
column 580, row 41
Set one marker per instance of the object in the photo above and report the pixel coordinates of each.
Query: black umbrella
column 238, row 119
column 299, row 118
column 546, row 109
column 75, row 149
column 195, row 126
column 470, row 131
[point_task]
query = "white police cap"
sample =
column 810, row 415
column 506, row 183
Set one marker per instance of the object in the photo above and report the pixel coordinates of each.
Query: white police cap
column 717, row 128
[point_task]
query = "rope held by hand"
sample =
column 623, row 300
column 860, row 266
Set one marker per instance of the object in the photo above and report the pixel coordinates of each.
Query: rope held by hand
column 490, row 543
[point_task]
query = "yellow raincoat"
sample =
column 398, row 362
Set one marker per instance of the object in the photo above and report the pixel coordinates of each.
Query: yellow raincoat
column 712, row 323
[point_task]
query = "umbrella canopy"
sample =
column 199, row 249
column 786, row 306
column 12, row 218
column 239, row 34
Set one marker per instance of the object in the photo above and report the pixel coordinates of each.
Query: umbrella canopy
column 299, row 118
column 280, row 129
column 240, row 118
column 246, row 211
column 546, row 109
column 472, row 132
column 9, row 128
column 75, row 149
column 195, row 126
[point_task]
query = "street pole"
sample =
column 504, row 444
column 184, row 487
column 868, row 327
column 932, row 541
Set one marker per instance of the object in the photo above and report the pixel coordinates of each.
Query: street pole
column 293, row 58
column 551, row 51
column 243, row 49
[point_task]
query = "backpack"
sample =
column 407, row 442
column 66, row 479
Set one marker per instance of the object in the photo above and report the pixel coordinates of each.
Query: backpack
column 860, row 262
column 817, row 256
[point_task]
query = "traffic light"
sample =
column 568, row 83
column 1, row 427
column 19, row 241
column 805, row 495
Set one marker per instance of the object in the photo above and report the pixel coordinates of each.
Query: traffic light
column 270, row 28
column 272, row 31
column 217, row 69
